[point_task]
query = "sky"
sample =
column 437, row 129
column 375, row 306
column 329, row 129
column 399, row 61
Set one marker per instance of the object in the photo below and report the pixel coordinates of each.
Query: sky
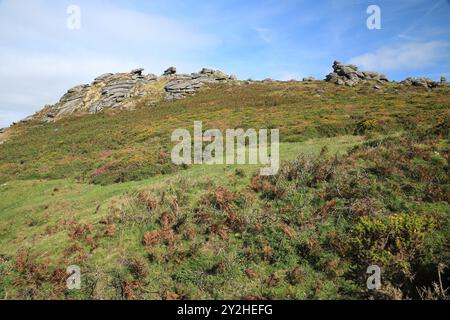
column 41, row 56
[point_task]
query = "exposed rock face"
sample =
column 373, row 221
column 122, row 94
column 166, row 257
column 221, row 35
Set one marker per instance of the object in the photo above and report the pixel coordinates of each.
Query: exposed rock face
column 349, row 75
column 184, row 85
column 106, row 91
column 420, row 82
column 117, row 91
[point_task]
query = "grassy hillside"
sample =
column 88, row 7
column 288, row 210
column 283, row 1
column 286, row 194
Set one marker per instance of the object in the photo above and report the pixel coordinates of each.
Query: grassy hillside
column 364, row 181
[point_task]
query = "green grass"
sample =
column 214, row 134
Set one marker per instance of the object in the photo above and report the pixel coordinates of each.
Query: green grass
column 119, row 147
column 100, row 192
column 48, row 201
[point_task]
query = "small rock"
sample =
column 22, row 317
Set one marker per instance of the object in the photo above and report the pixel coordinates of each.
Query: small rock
column 220, row 76
column 420, row 82
column 170, row 71
column 137, row 71
column 207, row 71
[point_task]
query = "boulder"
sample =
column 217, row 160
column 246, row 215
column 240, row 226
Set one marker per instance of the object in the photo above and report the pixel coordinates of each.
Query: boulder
column 137, row 71
column 443, row 80
column 170, row 71
column 220, row 76
column 420, row 82
column 207, row 71
column 308, row 79
column 184, row 85
column 349, row 75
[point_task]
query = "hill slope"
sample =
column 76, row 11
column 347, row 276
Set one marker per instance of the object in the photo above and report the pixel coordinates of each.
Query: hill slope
column 365, row 181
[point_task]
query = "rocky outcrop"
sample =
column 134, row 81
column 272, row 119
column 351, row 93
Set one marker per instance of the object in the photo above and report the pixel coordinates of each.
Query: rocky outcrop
column 349, row 75
column 443, row 80
column 108, row 91
column 420, row 82
column 183, row 85
column 308, row 79
column 119, row 91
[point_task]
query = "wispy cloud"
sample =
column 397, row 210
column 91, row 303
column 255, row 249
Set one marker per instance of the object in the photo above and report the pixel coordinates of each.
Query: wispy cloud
column 411, row 55
column 407, row 33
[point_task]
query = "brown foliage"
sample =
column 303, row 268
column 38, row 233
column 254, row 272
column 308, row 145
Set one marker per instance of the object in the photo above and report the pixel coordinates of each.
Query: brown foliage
column 145, row 199
column 252, row 274
column 267, row 253
column 129, row 287
column 110, row 230
column 151, row 238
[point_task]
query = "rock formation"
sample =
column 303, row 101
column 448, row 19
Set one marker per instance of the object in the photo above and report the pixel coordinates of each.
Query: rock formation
column 184, row 85
column 420, row 82
column 349, row 75
column 122, row 90
column 106, row 91
column 118, row 91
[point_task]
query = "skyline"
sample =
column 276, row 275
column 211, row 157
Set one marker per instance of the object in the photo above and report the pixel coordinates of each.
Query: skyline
column 41, row 58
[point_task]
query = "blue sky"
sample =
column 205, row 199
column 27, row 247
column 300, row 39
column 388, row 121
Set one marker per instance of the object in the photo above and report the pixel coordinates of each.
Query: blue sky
column 40, row 58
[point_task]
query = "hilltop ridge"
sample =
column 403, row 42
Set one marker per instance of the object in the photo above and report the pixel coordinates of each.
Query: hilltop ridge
column 123, row 91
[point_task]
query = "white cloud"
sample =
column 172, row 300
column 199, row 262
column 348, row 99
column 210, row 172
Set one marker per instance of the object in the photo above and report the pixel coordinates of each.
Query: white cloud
column 411, row 55
column 40, row 58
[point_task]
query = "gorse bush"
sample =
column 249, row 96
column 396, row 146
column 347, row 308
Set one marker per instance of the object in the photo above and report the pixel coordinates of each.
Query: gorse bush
column 395, row 242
